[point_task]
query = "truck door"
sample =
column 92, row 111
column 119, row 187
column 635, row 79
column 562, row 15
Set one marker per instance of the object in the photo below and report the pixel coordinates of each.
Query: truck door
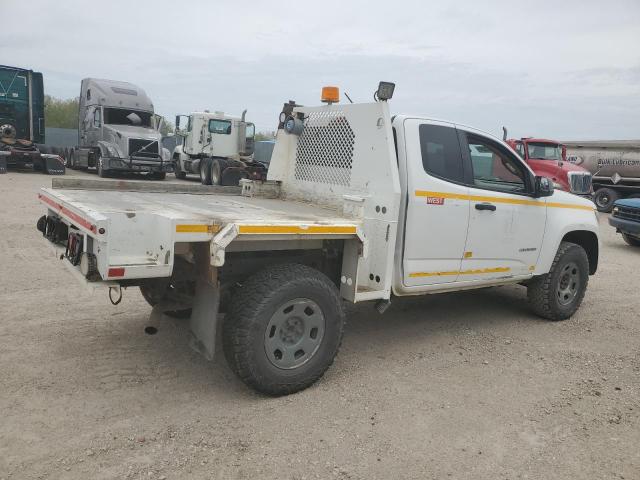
column 506, row 224
column 437, row 212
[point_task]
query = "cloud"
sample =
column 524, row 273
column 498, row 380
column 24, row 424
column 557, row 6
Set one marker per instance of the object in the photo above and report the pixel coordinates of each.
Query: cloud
column 553, row 69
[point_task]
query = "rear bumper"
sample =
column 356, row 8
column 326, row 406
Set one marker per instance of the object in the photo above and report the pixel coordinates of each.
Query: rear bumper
column 625, row 226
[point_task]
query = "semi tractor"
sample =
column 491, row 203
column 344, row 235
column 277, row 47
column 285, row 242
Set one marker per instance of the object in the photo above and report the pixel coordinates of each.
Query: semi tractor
column 118, row 131
column 217, row 147
column 358, row 206
column 615, row 165
column 22, row 133
column 548, row 159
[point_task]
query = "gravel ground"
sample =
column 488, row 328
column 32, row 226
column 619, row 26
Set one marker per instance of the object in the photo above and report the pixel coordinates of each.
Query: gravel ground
column 467, row 385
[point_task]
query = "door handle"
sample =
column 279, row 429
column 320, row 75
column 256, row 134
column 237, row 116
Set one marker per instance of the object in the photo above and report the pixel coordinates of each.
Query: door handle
column 485, row 206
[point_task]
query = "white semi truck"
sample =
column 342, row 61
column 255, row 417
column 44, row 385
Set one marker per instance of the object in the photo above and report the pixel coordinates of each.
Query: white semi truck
column 217, row 147
column 359, row 206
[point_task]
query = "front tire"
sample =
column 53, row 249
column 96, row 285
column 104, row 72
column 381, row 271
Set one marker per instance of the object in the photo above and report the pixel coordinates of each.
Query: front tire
column 558, row 294
column 283, row 329
column 177, row 170
column 631, row 240
column 604, row 199
column 100, row 167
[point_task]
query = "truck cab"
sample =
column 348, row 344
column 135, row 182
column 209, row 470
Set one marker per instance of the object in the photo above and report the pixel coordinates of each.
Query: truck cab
column 548, row 158
column 118, row 130
column 217, row 147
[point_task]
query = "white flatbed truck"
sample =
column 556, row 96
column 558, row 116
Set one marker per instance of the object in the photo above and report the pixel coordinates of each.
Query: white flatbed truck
column 358, row 206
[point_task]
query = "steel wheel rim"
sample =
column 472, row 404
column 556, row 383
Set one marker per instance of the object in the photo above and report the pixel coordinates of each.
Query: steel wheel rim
column 294, row 333
column 568, row 283
column 602, row 200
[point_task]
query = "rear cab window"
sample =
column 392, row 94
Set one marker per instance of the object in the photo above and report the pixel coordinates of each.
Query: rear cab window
column 441, row 154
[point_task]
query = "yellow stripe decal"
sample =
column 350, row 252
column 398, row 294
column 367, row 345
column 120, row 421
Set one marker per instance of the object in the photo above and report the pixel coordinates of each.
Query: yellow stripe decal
column 197, row 228
column 478, row 271
column 297, row 229
column 512, row 201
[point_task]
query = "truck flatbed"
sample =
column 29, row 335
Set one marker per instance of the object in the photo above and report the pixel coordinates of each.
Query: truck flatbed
column 140, row 227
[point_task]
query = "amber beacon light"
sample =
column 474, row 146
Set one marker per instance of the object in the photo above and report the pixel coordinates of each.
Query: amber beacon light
column 330, row 94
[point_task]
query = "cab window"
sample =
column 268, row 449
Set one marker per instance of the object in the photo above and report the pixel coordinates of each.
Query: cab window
column 221, row 127
column 494, row 168
column 441, row 154
column 97, row 118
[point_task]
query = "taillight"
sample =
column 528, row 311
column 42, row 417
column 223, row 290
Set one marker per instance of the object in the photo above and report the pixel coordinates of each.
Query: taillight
column 115, row 272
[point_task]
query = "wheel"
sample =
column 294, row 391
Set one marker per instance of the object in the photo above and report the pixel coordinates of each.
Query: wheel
column 631, row 240
column 153, row 296
column 604, row 198
column 216, row 172
column 100, row 167
column 177, row 170
column 205, row 172
column 71, row 161
column 283, row 329
column 558, row 294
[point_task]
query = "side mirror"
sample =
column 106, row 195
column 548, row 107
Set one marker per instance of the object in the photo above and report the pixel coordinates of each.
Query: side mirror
column 543, row 187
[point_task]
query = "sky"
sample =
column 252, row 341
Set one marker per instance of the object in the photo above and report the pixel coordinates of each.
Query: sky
column 557, row 69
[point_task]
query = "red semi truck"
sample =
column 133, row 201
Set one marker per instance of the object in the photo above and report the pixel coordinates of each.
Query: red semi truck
column 548, row 158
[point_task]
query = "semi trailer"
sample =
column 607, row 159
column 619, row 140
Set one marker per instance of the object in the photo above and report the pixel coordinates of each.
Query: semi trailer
column 217, row 147
column 615, row 165
column 22, row 133
column 118, row 131
column 358, row 206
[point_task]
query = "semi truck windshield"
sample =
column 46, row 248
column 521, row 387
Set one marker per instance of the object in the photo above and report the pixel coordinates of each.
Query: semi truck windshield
column 122, row 116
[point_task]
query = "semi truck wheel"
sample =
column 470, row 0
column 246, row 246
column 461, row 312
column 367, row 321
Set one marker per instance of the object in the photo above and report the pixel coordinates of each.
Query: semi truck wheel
column 558, row 294
column 177, row 169
column 205, row 172
column 71, row 161
column 604, row 199
column 283, row 329
column 630, row 240
column 216, row 172
column 100, row 167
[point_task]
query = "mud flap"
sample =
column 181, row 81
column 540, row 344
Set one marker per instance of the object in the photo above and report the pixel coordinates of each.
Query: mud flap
column 3, row 164
column 204, row 318
column 231, row 176
column 53, row 165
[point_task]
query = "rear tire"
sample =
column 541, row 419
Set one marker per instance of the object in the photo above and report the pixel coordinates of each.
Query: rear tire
column 558, row 294
column 631, row 240
column 205, row 172
column 604, row 199
column 283, row 329
column 216, row 172
column 153, row 297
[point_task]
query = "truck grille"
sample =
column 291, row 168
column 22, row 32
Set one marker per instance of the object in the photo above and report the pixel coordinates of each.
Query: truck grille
column 151, row 150
column 627, row 213
column 580, row 182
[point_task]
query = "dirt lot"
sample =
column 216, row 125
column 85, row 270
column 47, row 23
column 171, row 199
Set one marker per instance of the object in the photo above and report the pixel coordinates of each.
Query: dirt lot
column 454, row 386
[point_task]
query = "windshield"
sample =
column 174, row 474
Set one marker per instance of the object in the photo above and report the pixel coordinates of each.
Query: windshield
column 127, row 116
column 544, row 151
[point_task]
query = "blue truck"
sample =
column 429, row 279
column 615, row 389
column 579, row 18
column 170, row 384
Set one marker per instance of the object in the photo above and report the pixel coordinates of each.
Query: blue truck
column 626, row 219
